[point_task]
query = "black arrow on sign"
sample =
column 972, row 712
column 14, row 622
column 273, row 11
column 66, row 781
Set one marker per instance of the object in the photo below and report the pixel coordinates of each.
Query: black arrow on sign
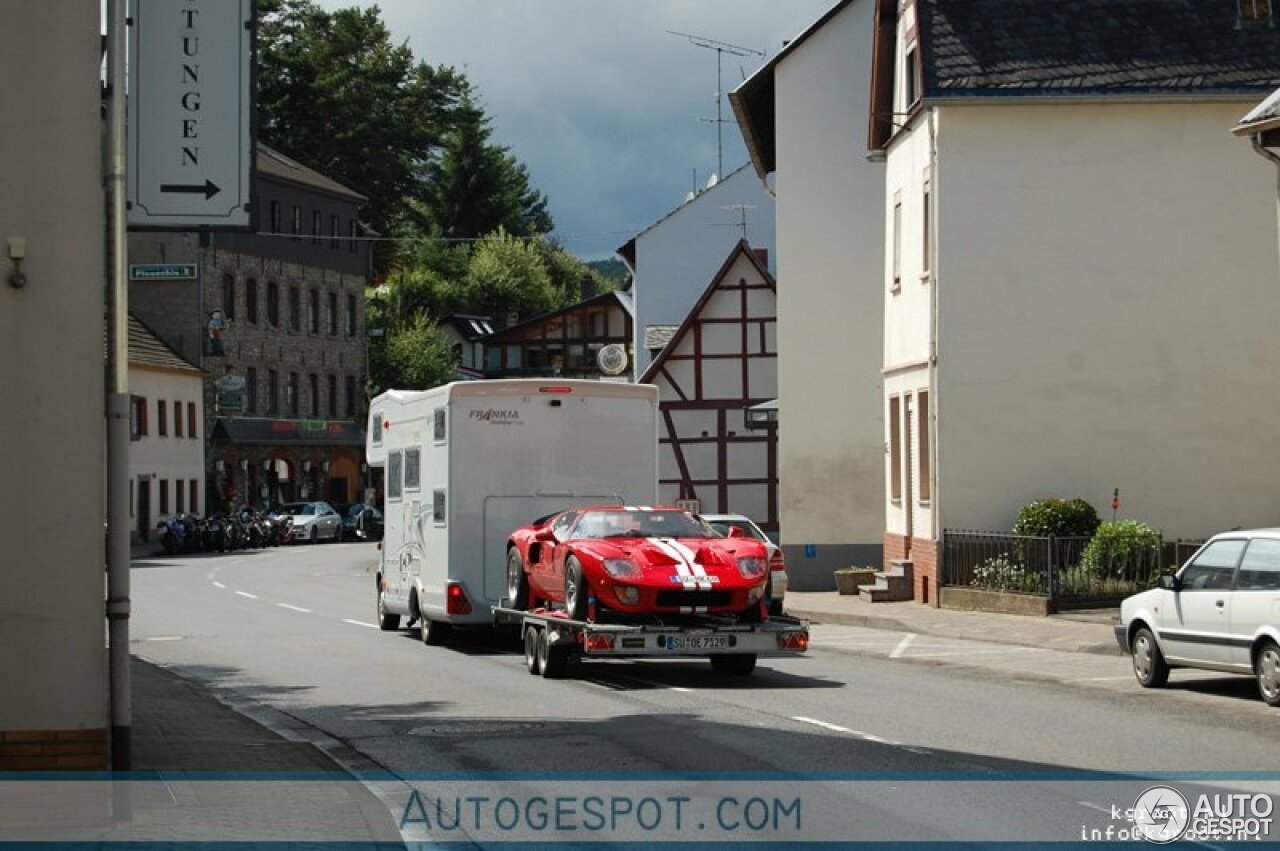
column 208, row 190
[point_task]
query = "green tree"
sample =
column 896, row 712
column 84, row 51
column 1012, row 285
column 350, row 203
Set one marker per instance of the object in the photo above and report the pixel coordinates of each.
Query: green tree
column 508, row 274
column 416, row 356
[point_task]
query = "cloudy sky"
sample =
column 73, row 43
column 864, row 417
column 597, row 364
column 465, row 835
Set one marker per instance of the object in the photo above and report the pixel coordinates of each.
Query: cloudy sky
column 596, row 98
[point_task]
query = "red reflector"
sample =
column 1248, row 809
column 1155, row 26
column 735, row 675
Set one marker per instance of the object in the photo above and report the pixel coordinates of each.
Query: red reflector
column 794, row 641
column 776, row 562
column 600, row 642
column 456, row 602
column 555, row 389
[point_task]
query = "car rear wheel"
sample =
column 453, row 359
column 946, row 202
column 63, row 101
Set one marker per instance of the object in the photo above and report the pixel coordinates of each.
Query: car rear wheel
column 575, row 590
column 1266, row 667
column 531, row 649
column 1149, row 666
column 433, row 633
column 552, row 656
column 314, row 535
column 734, row 665
column 517, row 581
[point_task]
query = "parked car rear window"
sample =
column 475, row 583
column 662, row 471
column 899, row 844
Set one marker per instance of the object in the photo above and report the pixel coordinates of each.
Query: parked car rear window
column 1260, row 568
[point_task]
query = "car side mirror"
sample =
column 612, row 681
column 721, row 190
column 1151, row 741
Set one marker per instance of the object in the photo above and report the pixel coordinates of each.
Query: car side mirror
column 736, row 532
column 546, row 536
column 1169, row 582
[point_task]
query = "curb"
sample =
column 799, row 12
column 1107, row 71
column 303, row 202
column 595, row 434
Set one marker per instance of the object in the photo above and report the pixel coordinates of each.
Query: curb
column 1105, row 648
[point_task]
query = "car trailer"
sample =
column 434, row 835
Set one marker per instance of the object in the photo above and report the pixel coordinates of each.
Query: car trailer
column 552, row 639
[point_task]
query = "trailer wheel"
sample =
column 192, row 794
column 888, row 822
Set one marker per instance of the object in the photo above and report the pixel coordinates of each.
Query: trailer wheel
column 434, row 633
column 575, row 590
column 531, row 649
column 517, row 581
column 387, row 622
column 552, row 659
column 734, row 665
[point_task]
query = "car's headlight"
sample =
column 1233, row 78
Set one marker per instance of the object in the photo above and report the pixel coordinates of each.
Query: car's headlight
column 752, row 567
column 621, row 568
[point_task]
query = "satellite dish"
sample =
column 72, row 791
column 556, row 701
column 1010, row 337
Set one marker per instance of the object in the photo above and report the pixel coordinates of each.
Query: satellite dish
column 612, row 359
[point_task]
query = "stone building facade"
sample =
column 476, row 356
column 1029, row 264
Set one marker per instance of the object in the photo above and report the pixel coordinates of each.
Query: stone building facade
column 276, row 319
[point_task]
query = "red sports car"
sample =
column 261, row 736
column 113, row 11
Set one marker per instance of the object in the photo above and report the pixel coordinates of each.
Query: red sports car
column 635, row 561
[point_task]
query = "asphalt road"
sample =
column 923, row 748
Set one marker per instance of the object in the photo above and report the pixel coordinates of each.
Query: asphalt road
column 887, row 735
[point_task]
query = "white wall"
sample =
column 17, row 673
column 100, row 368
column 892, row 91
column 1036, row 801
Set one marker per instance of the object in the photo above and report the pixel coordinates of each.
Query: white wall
column 169, row 458
column 1109, row 305
column 52, row 661
column 830, row 303
column 677, row 257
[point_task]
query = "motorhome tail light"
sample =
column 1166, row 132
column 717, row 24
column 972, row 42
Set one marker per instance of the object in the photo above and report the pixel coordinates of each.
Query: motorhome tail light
column 555, row 388
column 794, row 640
column 777, row 562
column 599, row 641
column 456, row 602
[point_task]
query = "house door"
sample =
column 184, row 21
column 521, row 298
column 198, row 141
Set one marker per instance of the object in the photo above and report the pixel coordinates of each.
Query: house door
column 338, row 491
column 144, row 507
column 908, row 489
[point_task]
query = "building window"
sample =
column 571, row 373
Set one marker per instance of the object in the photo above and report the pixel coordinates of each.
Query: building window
column 314, row 382
column 138, row 418
column 335, row 228
column 313, row 312
column 177, row 419
column 251, row 391
column 897, row 243
column 193, row 491
column 275, row 217
column 191, row 421
column 353, row 232
column 179, row 496
column 291, row 394
column 295, row 310
column 164, row 496
column 333, row 397
column 297, row 221
column 162, row 418
column 229, row 296
column 251, row 301
column 926, row 232
column 911, row 78
column 316, row 218
column 895, row 449
column 922, row 435
column 273, row 392
column 1256, row 11
column 331, row 314
column 350, row 389
column 351, row 315
column 273, row 304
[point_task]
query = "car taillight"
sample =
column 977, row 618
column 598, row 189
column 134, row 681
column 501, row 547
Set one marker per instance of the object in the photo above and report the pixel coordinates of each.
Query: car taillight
column 793, row 641
column 456, row 602
column 776, row 561
column 559, row 389
column 599, row 641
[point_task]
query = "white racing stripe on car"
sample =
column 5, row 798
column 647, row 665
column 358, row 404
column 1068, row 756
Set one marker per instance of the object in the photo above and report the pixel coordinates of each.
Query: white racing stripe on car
column 691, row 558
column 681, row 565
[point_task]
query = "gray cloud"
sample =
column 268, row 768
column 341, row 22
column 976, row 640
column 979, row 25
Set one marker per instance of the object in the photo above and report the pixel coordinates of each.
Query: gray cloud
column 596, row 98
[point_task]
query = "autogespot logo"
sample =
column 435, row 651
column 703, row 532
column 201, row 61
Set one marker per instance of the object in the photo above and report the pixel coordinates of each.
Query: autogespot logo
column 1161, row 814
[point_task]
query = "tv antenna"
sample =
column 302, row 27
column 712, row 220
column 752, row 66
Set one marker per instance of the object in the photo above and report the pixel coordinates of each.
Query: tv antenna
column 741, row 210
column 721, row 48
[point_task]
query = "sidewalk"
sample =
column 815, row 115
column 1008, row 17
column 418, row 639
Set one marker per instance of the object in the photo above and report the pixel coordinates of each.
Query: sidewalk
column 1074, row 632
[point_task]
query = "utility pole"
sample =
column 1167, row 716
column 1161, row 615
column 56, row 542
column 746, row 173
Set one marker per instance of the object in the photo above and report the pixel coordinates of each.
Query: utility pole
column 721, row 48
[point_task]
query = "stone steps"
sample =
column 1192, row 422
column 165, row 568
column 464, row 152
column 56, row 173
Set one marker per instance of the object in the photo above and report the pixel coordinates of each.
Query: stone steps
column 895, row 584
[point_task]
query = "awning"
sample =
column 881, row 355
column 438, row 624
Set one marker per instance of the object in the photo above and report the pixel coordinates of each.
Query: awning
column 268, row 432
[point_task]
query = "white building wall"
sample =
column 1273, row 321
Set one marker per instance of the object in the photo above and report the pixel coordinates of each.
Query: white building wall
column 1109, row 304
column 52, row 659
column 169, row 458
column 677, row 257
column 830, row 304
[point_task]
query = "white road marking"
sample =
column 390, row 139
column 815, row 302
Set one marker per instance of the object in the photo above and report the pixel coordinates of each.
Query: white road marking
column 1002, row 651
column 360, row 623
column 903, row 645
column 823, row 724
column 247, row 594
column 294, row 608
column 164, row 638
column 1098, row 679
column 218, row 585
column 680, row 688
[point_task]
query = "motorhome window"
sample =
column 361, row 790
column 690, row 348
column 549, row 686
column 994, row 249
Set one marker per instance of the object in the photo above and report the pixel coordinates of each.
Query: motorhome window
column 377, row 429
column 437, row 506
column 440, row 427
column 393, row 475
column 411, row 467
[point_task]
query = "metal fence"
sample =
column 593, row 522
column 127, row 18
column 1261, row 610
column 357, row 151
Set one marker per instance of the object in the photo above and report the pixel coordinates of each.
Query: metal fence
column 1045, row 566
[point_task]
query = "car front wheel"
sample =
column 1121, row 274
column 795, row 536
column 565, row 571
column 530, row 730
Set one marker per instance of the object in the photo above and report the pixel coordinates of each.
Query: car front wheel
column 517, row 581
column 1149, row 666
column 575, row 590
column 1266, row 667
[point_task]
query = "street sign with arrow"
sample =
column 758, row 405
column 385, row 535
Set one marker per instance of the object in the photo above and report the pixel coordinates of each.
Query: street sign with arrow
column 190, row 114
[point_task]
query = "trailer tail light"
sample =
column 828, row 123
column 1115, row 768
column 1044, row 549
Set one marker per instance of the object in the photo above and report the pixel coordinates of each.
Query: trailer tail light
column 456, row 602
column 597, row 642
column 798, row 641
column 555, row 388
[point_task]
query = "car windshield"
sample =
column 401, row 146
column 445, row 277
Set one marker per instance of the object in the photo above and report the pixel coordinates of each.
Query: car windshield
column 723, row 526
column 302, row 508
column 641, row 524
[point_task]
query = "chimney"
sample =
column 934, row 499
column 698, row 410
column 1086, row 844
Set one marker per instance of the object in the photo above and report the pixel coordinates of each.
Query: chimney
column 586, row 288
column 762, row 254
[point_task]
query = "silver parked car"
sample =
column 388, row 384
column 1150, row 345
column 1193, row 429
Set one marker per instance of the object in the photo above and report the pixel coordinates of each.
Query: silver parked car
column 314, row 521
column 777, row 565
column 1220, row 612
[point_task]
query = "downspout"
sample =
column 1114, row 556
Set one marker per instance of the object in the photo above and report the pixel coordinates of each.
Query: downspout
column 935, row 519
column 1256, row 141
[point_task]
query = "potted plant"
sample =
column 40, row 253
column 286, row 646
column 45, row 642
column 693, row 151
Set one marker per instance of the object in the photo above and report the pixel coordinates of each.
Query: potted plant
column 850, row 579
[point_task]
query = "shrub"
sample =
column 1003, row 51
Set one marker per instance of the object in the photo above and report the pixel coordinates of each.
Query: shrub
column 1002, row 573
column 1060, row 518
column 1123, row 549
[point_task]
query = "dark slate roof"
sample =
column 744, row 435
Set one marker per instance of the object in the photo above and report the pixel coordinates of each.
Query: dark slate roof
column 275, row 164
column 1081, row 47
column 268, row 432
column 147, row 350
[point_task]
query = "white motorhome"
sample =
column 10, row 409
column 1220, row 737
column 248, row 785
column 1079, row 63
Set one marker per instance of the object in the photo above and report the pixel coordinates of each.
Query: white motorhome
column 466, row 463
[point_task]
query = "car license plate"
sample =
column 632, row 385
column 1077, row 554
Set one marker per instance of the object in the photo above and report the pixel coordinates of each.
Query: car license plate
column 698, row 642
